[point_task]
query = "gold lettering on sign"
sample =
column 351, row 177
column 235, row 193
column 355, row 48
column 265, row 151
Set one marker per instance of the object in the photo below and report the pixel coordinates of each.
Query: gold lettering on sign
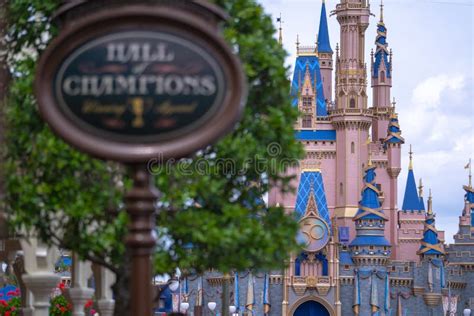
column 94, row 107
column 166, row 108
column 137, row 109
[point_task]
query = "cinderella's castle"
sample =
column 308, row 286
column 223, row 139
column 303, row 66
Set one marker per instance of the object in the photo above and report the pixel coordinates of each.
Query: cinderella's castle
column 363, row 255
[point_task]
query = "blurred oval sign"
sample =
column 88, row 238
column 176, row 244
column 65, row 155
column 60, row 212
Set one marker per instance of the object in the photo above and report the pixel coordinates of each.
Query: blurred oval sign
column 130, row 85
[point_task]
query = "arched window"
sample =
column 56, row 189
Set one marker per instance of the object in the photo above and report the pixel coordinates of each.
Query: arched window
column 382, row 76
column 307, row 121
column 352, row 103
column 352, row 148
column 341, row 189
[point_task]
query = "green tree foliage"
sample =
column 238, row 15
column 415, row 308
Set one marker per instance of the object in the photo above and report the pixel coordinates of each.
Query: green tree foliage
column 211, row 213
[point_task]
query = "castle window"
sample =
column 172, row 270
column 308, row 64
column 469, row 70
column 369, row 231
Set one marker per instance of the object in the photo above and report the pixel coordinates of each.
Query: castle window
column 394, row 268
column 371, row 247
column 406, row 269
column 352, row 103
column 341, row 188
column 352, row 148
column 307, row 121
column 307, row 101
column 382, row 76
column 346, row 267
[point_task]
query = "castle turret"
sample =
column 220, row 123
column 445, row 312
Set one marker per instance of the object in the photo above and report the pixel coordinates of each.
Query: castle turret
column 392, row 145
column 325, row 53
column 370, row 247
column 410, row 219
column 411, row 200
column 381, row 66
column 430, row 244
column 432, row 254
column 466, row 220
column 370, row 252
column 351, row 118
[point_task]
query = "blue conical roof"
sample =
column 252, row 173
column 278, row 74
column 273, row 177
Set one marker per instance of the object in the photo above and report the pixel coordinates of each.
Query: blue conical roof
column 369, row 209
column 324, row 45
column 394, row 134
column 430, row 244
column 411, row 200
column 381, row 52
column 370, row 196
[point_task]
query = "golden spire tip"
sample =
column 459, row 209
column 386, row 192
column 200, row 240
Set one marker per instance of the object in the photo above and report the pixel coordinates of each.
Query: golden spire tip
column 410, row 166
column 381, row 11
column 430, row 204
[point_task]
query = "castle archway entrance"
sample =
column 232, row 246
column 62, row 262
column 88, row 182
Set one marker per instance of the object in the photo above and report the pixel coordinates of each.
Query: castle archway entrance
column 311, row 308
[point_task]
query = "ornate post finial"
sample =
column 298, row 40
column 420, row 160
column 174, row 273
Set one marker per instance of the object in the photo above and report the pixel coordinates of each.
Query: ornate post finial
column 297, row 44
column 316, row 49
column 410, row 166
column 280, row 35
column 430, row 204
column 469, row 166
column 381, row 11
column 420, row 188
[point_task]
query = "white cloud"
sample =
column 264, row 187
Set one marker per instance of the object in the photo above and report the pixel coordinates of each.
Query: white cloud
column 440, row 125
column 428, row 93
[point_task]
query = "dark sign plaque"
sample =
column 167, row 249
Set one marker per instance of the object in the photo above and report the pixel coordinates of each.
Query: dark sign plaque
column 134, row 83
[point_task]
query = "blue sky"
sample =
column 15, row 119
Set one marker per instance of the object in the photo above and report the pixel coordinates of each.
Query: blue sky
column 432, row 42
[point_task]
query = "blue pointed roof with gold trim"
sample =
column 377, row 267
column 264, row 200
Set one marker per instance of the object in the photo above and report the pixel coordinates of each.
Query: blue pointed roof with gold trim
column 381, row 52
column 430, row 244
column 369, row 206
column 312, row 181
column 324, row 45
column 394, row 134
column 411, row 200
column 370, row 210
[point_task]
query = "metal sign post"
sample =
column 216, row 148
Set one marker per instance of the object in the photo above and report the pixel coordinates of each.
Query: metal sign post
column 140, row 81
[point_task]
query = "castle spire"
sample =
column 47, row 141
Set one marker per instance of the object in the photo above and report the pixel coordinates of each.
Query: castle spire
column 420, row 194
column 381, row 11
column 430, row 244
column 323, row 36
column 411, row 200
column 297, row 44
column 280, row 30
column 370, row 223
column 394, row 134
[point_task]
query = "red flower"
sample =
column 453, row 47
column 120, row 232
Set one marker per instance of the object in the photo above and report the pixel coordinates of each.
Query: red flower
column 4, row 303
column 88, row 304
column 10, row 293
column 7, row 313
column 93, row 312
column 62, row 309
column 61, row 286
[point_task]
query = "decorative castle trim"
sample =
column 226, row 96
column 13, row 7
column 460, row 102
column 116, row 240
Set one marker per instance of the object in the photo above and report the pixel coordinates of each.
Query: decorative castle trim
column 321, row 154
column 394, row 172
column 455, row 285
